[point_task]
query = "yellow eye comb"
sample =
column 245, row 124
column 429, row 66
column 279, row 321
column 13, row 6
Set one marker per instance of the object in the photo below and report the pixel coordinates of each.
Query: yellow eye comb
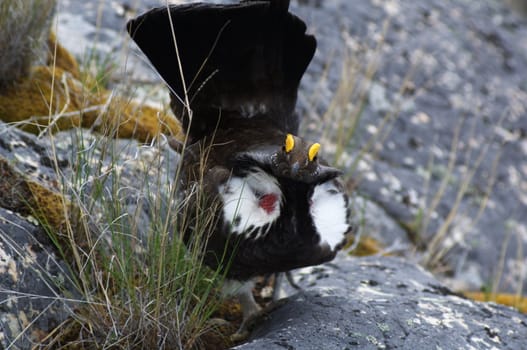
column 289, row 143
column 313, row 151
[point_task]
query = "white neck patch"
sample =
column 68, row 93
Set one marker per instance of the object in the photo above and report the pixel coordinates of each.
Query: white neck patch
column 330, row 213
column 241, row 202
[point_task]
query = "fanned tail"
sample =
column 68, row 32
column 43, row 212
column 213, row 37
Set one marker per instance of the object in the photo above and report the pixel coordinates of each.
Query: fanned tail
column 238, row 61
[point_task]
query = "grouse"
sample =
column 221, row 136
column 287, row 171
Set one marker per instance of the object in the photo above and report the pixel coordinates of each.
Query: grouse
column 233, row 71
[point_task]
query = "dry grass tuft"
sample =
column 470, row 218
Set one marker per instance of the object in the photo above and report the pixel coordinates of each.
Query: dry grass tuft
column 24, row 31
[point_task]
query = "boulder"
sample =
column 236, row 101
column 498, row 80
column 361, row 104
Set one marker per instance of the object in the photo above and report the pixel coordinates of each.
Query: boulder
column 36, row 287
column 437, row 67
column 39, row 284
column 467, row 61
column 383, row 303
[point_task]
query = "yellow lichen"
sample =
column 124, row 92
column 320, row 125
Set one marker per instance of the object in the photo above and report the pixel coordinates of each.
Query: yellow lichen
column 22, row 318
column 50, row 207
column 30, row 257
column 59, row 57
column 4, row 260
column 366, row 246
column 12, row 270
column 53, row 98
column 517, row 301
column 12, row 323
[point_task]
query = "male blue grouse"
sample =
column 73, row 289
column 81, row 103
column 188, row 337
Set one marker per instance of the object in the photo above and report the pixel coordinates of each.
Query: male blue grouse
column 233, row 72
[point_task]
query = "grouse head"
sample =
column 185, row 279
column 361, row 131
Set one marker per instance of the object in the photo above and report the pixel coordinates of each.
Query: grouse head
column 233, row 72
column 299, row 160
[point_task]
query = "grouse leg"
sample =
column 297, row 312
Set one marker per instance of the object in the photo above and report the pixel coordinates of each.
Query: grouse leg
column 249, row 305
column 278, row 291
column 250, row 320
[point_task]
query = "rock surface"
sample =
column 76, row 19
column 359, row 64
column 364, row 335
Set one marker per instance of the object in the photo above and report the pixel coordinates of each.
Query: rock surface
column 37, row 290
column 35, row 285
column 384, row 303
column 468, row 64
column 466, row 68
column 438, row 67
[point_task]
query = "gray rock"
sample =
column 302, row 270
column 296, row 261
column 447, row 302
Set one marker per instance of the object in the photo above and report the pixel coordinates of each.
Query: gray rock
column 468, row 61
column 384, row 303
column 38, row 290
column 469, row 65
column 371, row 220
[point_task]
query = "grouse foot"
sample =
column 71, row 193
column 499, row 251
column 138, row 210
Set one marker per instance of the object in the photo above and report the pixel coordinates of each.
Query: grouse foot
column 253, row 320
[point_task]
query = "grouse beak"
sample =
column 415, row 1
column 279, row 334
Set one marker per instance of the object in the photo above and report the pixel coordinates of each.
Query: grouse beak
column 295, row 168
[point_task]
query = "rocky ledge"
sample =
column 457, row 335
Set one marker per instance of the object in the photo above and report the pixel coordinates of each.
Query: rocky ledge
column 384, row 303
column 366, row 303
column 440, row 66
column 470, row 61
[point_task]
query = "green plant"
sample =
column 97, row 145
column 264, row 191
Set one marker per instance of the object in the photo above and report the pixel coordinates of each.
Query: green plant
column 97, row 70
column 141, row 286
column 511, row 228
column 144, row 288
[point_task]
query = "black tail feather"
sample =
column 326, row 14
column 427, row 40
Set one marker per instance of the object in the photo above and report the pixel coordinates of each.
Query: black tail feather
column 238, row 61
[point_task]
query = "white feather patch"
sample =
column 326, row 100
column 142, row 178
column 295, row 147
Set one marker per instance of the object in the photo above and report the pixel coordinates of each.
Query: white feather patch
column 240, row 196
column 330, row 213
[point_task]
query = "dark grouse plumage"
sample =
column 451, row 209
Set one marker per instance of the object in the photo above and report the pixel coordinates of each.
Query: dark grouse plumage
column 276, row 205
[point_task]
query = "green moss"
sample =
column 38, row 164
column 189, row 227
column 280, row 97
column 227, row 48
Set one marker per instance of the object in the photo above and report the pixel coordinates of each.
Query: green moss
column 29, row 197
column 367, row 246
column 33, row 103
column 59, row 57
column 52, row 98
column 517, row 301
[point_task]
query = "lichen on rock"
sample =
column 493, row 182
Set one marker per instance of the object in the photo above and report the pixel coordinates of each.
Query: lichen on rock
column 53, row 99
column 48, row 95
